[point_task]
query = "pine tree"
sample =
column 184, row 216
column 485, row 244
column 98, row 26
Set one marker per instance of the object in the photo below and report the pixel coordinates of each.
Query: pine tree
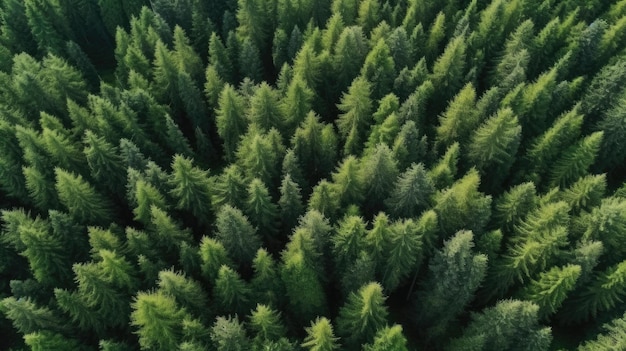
column 552, row 288
column 239, row 237
column 362, row 315
column 349, row 55
column 356, row 108
column 347, row 182
column 512, row 206
column 348, row 242
column 230, row 120
column 462, row 206
column 379, row 68
column 26, row 316
column 459, row 119
column 290, row 203
column 228, row 334
column 260, row 208
column 192, row 187
column 377, row 171
column 324, row 199
column 259, row 154
column 605, row 222
column 299, row 273
column 494, row 145
column 320, row 336
column 231, row 293
column 46, row 340
column 508, row 324
column 408, row 147
column 404, row 254
column 612, row 338
column 603, row 293
column 586, row 193
column 449, row 67
column 79, row 197
column 158, row 320
column 315, row 145
column 388, row 339
column 297, row 103
column 575, row 161
column 455, row 273
column 104, row 161
column 266, row 279
column 264, row 108
column 213, row 255
column 411, row 193
column 230, row 188
column 266, row 323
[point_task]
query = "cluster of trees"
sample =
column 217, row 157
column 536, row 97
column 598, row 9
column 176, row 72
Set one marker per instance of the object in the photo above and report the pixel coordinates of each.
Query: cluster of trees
column 312, row 175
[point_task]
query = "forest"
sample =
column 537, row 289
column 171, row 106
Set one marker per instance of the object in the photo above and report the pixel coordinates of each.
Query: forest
column 314, row 175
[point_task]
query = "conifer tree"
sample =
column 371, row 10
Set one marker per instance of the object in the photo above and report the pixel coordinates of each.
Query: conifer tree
column 404, row 247
column 356, row 107
column 449, row 68
column 347, row 182
column 266, row 323
column 260, row 208
column 228, row 334
column 231, row 292
column 191, row 186
column 324, row 199
column 612, row 337
column 299, row 273
column 349, row 54
column 266, row 279
column 158, row 320
column 315, row 145
column 575, row 161
column 362, row 315
column 213, row 255
column 297, row 102
column 459, row 119
column 26, row 316
column 388, row 339
column 462, row 206
column 104, row 161
column 230, row 188
column 506, row 325
column 379, row 68
column 230, row 119
column 512, row 206
column 239, row 237
column 603, row 293
column 377, row 169
column 320, row 336
column 79, row 197
column 455, row 272
column 411, row 193
column 552, row 288
column 290, row 203
column 494, row 145
column 264, row 108
column 612, row 150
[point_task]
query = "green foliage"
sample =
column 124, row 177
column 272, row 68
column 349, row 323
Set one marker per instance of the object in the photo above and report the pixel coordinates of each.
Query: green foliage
column 164, row 163
column 552, row 287
column 463, row 206
column 320, row 336
column 388, row 339
column 79, row 197
column 362, row 315
column 455, row 273
column 510, row 324
column 239, row 237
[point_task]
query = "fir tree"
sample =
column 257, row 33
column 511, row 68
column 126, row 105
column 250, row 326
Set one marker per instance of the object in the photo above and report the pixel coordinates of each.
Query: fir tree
column 239, row 237
column 362, row 315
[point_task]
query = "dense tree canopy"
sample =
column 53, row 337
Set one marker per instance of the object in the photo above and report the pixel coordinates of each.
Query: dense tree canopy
column 312, row 175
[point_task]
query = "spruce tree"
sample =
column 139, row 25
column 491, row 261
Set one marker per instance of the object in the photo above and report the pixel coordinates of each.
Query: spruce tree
column 362, row 315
